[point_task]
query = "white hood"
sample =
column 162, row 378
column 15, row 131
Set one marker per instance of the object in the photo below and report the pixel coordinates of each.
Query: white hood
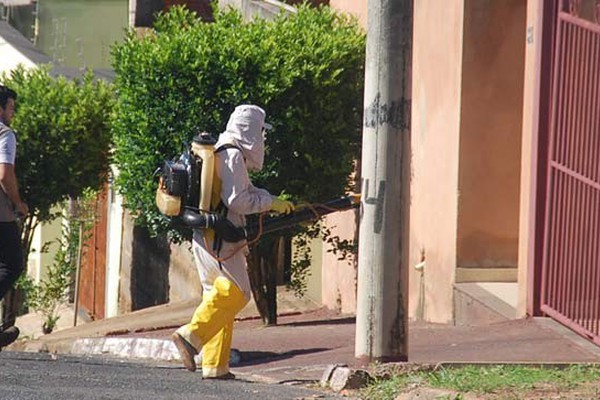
column 245, row 130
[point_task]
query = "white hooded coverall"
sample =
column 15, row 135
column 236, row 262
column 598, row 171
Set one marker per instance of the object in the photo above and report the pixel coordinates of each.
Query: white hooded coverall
column 226, row 286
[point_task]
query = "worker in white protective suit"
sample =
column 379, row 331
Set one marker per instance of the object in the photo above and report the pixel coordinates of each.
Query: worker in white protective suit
column 222, row 265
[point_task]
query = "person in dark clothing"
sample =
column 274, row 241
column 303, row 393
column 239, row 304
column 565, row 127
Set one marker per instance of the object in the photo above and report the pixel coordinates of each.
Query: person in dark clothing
column 11, row 207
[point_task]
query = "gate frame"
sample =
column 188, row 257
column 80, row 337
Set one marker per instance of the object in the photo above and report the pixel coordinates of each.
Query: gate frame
column 536, row 234
column 546, row 137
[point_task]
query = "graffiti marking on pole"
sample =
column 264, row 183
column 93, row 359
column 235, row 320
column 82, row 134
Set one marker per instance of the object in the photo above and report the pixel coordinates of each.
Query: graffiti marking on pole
column 396, row 113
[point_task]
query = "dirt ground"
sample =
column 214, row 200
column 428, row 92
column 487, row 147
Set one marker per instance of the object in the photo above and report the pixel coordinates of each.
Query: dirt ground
column 588, row 391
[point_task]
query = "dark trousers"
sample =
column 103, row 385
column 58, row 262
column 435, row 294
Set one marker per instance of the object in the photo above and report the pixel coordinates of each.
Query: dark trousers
column 11, row 256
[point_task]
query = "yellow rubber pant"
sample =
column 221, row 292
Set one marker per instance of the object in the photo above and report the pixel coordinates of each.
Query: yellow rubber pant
column 211, row 327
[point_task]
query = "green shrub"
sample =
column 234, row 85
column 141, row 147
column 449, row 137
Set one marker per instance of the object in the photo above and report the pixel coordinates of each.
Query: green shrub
column 305, row 70
column 63, row 139
column 47, row 296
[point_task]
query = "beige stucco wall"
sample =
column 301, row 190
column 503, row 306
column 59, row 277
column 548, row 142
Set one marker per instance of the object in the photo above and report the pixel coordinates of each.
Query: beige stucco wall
column 357, row 8
column 339, row 276
column 435, row 139
column 437, row 61
column 314, row 280
column 490, row 139
column 468, row 62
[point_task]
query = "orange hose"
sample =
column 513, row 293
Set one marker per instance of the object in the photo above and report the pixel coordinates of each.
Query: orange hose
column 222, row 259
column 312, row 207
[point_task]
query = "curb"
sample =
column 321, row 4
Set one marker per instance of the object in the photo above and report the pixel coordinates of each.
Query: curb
column 166, row 351
column 140, row 348
column 156, row 349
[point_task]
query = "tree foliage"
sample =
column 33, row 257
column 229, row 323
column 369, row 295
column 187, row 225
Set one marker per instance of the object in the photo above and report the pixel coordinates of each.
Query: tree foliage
column 63, row 139
column 305, row 70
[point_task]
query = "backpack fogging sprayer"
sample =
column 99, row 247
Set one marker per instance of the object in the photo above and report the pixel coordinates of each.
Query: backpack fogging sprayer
column 185, row 190
column 185, row 183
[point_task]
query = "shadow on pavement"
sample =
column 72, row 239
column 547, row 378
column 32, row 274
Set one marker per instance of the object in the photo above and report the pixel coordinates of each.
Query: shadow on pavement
column 260, row 357
column 339, row 321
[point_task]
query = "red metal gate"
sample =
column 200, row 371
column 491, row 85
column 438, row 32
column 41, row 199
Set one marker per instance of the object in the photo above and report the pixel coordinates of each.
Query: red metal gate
column 571, row 258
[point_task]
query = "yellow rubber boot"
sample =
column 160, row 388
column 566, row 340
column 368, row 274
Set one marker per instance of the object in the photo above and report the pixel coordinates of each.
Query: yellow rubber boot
column 216, row 352
column 217, row 310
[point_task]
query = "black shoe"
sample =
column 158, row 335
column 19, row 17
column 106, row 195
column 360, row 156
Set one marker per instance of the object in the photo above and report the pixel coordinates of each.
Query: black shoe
column 224, row 377
column 8, row 336
column 7, row 323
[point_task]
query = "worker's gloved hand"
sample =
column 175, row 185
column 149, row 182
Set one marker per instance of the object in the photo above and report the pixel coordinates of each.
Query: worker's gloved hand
column 282, row 206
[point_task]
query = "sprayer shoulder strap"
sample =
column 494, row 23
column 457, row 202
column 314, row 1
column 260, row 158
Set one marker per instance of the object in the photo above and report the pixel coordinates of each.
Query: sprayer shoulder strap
column 217, row 204
column 226, row 146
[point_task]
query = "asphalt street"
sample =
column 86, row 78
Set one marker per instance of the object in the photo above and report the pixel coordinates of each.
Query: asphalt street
column 28, row 376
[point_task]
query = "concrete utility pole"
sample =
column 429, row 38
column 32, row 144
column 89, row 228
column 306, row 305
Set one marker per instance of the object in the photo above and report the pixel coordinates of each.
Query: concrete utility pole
column 382, row 310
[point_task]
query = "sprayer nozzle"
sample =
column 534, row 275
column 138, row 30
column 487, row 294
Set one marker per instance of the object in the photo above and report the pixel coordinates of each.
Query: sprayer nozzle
column 354, row 198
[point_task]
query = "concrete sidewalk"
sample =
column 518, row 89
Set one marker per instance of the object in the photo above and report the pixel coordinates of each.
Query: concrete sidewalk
column 308, row 339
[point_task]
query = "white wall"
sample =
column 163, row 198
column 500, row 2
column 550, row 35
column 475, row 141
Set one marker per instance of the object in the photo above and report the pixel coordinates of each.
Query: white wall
column 114, row 233
column 10, row 58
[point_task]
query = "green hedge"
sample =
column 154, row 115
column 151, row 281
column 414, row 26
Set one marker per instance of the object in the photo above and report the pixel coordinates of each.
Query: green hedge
column 63, row 136
column 63, row 140
column 306, row 70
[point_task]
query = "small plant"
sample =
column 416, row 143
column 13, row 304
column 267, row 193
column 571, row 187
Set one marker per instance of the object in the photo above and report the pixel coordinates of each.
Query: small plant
column 52, row 292
column 302, row 258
